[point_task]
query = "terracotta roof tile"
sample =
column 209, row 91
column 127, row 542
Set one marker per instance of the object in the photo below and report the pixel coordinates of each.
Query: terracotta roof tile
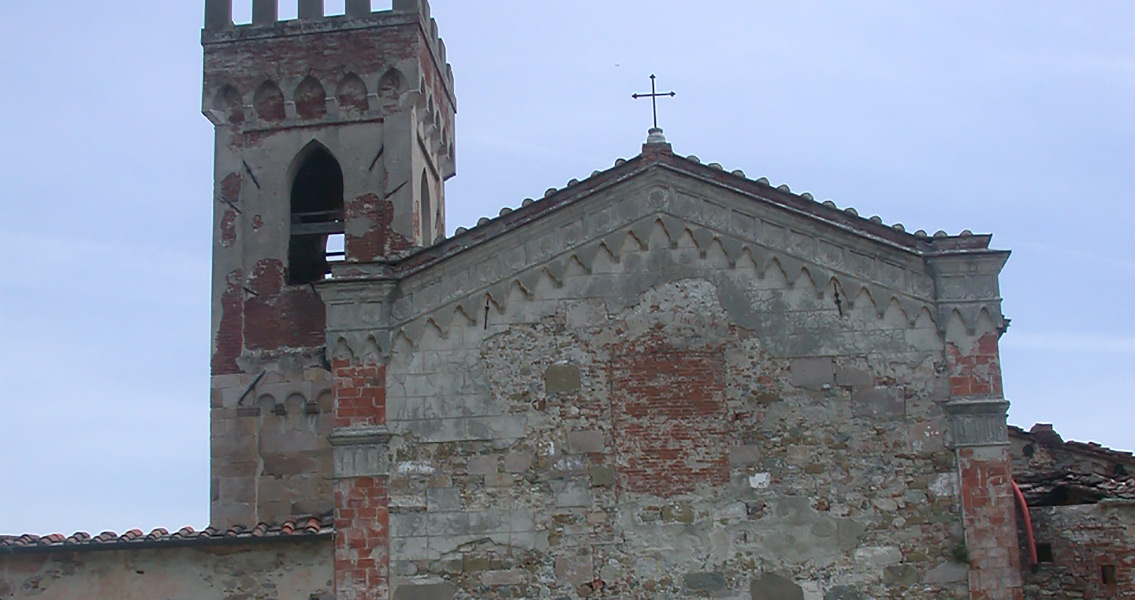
column 508, row 218
column 1044, row 433
column 300, row 527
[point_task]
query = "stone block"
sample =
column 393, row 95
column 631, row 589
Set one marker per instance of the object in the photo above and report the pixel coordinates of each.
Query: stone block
column 574, row 496
column 223, row 515
column 428, row 591
column 770, row 586
column 812, row 372
column 505, row 577
column 843, row 592
column 239, row 490
column 310, row 506
column 575, row 570
column 584, row 442
column 482, row 465
column 279, row 465
column 879, row 402
column 410, row 548
column 743, row 456
column 678, row 513
column 602, row 476
column 407, row 524
column 475, row 564
column 849, row 532
column 500, row 480
column 853, row 377
column 825, row 527
column 566, row 465
column 900, row 575
column 502, row 427
column 518, row 462
column 443, row 499
column 704, row 583
column 562, row 379
column 947, row 572
column 878, row 556
column 404, row 568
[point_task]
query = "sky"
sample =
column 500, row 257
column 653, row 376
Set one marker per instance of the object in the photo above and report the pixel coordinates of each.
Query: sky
column 1011, row 117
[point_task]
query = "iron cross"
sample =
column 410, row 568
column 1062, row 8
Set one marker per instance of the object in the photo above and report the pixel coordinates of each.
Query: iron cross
column 653, row 95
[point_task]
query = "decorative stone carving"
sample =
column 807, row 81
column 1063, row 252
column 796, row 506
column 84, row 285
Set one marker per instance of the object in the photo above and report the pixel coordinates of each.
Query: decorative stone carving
column 360, row 452
column 979, row 422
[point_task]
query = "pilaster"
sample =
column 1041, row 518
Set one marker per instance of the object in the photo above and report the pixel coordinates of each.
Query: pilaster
column 362, row 520
column 969, row 309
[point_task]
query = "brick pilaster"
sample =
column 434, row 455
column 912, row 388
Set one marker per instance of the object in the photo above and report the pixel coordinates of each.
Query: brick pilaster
column 362, row 536
column 978, row 419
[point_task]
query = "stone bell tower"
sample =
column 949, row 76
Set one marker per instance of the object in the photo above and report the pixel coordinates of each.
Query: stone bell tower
column 334, row 137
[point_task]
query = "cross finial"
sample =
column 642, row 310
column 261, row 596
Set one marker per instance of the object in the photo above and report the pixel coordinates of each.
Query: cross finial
column 654, row 95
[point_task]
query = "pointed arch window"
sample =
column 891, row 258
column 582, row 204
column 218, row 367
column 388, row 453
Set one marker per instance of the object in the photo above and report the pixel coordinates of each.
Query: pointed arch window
column 425, row 211
column 316, row 216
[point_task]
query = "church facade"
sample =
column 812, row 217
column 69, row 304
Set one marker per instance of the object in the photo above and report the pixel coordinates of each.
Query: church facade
column 664, row 380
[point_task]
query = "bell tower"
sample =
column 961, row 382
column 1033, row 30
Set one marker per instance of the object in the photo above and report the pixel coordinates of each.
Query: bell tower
column 334, row 139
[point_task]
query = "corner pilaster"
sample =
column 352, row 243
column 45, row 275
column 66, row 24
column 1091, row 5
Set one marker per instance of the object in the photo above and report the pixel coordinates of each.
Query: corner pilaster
column 969, row 316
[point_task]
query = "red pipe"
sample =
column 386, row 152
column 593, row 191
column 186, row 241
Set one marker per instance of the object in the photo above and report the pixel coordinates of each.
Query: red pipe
column 1029, row 537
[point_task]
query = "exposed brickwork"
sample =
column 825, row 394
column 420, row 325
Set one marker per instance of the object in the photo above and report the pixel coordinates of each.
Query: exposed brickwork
column 230, row 188
column 988, row 503
column 230, row 334
column 360, row 394
column 976, row 371
column 374, row 237
column 278, row 316
column 991, row 523
column 352, row 95
column 228, row 229
column 362, row 543
column 269, row 102
column 311, row 99
column 670, row 411
column 1084, row 541
column 362, row 525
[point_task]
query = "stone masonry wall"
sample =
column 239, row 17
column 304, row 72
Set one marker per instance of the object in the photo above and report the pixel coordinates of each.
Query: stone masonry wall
column 669, row 423
column 266, row 571
column 1091, row 552
column 270, row 454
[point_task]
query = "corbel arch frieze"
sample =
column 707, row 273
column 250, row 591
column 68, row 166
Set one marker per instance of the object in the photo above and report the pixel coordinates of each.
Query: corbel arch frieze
column 495, row 292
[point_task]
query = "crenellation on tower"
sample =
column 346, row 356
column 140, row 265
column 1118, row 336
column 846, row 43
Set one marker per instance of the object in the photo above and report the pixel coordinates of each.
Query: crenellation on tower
column 218, row 14
column 358, row 8
column 311, row 10
column 265, row 12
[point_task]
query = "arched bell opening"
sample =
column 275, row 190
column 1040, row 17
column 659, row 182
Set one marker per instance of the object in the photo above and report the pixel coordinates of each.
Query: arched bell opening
column 317, row 216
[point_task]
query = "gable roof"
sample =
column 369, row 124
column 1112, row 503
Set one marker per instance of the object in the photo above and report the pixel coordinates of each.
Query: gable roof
column 660, row 156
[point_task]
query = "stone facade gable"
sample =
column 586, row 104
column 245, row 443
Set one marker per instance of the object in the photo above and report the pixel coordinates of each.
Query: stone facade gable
column 655, row 206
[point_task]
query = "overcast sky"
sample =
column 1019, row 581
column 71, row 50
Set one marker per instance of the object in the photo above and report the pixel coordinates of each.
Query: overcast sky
column 1011, row 117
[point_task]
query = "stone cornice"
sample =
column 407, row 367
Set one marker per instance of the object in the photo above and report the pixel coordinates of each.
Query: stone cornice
column 978, row 421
